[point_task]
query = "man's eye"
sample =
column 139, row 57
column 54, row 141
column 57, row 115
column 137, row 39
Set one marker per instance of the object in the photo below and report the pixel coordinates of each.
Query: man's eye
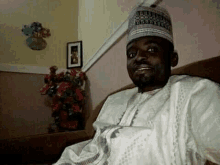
column 152, row 50
column 131, row 54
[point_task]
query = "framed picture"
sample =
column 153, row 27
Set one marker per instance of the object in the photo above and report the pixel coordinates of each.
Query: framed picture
column 74, row 54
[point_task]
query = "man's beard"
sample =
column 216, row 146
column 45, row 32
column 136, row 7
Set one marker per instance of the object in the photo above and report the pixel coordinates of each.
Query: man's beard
column 143, row 81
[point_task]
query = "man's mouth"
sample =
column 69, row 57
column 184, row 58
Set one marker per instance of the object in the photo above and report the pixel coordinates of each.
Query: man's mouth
column 144, row 68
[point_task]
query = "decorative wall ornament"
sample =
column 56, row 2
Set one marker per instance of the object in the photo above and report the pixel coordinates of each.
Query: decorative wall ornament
column 74, row 55
column 36, row 32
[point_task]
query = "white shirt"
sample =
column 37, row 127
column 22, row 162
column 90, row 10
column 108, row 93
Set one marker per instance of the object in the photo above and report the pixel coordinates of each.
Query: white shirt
column 178, row 124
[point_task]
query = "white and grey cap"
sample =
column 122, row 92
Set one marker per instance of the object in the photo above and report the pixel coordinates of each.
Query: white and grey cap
column 149, row 19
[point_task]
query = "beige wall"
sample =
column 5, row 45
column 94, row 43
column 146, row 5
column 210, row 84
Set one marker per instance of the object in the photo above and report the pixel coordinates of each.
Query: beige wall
column 196, row 26
column 98, row 19
column 61, row 17
column 108, row 74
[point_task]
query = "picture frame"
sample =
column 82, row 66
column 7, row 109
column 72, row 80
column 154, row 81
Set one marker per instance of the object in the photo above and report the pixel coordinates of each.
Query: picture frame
column 74, row 55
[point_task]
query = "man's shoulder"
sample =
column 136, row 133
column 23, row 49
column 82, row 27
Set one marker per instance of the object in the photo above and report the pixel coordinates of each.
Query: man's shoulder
column 190, row 81
column 184, row 80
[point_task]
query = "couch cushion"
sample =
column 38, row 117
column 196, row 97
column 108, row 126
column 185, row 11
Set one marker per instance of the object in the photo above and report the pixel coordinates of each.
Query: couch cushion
column 208, row 68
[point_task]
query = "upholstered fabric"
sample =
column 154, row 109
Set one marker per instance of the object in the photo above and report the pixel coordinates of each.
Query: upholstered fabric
column 209, row 68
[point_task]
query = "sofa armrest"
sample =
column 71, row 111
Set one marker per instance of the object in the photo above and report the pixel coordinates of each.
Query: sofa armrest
column 45, row 148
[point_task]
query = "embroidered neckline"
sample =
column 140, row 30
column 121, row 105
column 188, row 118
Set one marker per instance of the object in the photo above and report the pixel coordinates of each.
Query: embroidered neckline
column 165, row 91
column 153, row 91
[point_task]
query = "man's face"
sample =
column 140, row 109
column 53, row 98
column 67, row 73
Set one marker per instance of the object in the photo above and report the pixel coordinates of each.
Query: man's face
column 148, row 62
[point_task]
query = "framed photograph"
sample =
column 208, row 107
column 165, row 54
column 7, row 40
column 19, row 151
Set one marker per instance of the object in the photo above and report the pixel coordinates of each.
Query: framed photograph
column 74, row 54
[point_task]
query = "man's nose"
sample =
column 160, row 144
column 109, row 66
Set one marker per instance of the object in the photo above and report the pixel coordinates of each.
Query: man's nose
column 142, row 56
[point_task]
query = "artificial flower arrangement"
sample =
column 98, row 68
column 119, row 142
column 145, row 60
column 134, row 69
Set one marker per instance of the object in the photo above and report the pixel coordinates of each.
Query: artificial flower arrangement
column 36, row 32
column 68, row 98
column 37, row 29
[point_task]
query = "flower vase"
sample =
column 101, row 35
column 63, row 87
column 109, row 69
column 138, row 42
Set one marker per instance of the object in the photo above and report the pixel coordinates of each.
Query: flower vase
column 36, row 42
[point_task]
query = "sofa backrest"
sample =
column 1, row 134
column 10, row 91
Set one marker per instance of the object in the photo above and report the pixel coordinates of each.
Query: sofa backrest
column 209, row 68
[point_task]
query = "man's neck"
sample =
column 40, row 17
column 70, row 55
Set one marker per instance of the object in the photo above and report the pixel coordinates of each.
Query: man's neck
column 148, row 89
column 151, row 87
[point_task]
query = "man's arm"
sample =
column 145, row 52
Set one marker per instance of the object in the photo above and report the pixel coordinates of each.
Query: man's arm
column 205, row 110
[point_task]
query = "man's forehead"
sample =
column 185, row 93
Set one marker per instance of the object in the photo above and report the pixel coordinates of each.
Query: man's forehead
column 146, row 40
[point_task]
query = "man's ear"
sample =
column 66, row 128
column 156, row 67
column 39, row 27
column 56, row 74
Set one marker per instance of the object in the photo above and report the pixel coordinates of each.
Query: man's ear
column 174, row 58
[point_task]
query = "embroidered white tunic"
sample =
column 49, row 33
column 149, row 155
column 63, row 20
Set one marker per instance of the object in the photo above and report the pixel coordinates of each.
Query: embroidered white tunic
column 178, row 124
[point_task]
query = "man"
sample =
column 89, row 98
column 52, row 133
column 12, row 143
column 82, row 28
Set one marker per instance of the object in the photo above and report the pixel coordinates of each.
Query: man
column 164, row 120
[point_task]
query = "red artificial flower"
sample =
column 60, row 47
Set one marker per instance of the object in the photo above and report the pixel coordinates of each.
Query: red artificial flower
column 79, row 94
column 53, row 69
column 60, row 76
column 73, row 72
column 50, row 76
column 63, row 115
column 69, row 124
column 76, row 108
column 44, row 89
column 56, row 106
column 55, row 99
column 82, row 75
column 47, row 78
column 68, row 100
column 62, row 87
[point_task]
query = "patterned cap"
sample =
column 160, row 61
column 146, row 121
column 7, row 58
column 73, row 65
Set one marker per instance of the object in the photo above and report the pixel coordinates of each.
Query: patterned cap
column 149, row 20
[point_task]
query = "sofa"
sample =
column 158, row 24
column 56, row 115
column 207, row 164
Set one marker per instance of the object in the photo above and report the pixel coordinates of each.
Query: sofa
column 47, row 148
